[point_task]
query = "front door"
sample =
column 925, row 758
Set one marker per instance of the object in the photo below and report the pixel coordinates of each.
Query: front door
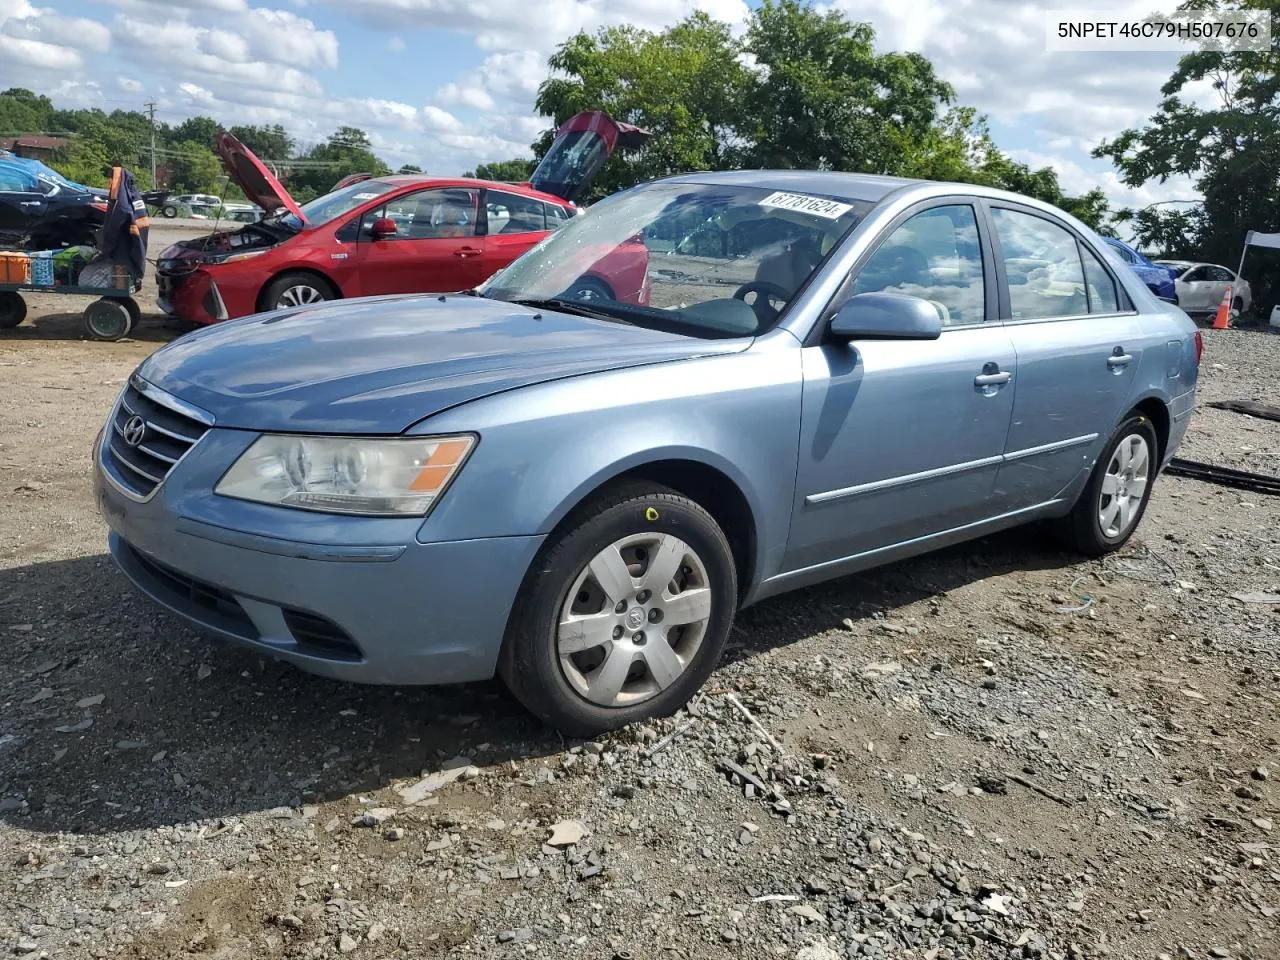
column 1198, row 291
column 1078, row 348
column 903, row 439
column 436, row 247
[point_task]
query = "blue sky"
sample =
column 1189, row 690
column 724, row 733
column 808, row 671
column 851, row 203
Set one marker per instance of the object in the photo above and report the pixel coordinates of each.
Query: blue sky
column 450, row 83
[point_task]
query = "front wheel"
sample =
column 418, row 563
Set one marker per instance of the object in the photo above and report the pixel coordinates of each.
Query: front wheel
column 1112, row 505
column 13, row 309
column 624, row 615
column 169, row 210
column 296, row 290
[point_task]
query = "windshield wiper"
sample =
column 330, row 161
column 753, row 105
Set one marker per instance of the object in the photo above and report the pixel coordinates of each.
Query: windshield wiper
column 575, row 307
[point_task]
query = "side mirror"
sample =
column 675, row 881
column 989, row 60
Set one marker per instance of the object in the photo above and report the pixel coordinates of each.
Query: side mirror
column 383, row 228
column 886, row 316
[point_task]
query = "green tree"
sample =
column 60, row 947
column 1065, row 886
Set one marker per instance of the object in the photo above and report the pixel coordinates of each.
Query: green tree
column 410, row 168
column 510, row 171
column 347, row 151
column 267, row 143
column 194, row 168
column 1230, row 149
column 201, row 130
column 22, row 111
column 823, row 99
column 685, row 85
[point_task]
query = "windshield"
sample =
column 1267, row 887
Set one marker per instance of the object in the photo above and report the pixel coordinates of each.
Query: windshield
column 707, row 260
column 339, row 202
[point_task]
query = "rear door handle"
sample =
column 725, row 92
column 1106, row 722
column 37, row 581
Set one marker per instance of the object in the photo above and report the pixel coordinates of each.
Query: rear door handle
column 992, row 379
column 466, row 252
column 1119, row 360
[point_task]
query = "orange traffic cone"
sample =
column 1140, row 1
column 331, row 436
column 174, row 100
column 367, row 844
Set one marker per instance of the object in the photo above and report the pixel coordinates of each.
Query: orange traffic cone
column 1222, row 319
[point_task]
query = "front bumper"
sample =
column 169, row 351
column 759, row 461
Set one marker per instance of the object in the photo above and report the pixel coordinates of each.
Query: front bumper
column 396, row 611
column 194, row 297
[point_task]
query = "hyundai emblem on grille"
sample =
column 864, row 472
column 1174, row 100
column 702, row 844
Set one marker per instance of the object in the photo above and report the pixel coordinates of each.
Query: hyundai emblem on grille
column 135, row 429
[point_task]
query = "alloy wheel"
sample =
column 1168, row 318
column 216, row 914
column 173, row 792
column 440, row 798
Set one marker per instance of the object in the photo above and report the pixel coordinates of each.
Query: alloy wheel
column 298, row 295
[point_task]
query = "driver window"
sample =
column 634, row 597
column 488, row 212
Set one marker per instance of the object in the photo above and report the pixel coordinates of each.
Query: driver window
column 936, row 256
column 428, row 215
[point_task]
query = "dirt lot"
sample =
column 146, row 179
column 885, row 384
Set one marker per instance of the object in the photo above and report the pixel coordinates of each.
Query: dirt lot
column 994, row 752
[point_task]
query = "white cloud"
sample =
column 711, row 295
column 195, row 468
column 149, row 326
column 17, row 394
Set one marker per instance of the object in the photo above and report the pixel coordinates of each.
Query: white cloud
column 515, row 25
column 452, row 94
column 396, row 45
column 47, row 42
column 129, row 85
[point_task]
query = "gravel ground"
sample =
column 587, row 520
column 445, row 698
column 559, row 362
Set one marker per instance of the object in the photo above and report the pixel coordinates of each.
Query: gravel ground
column 997, row 751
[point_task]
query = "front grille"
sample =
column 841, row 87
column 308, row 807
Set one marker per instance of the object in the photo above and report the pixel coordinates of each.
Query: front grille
column 203, row 595
column 143, row 459
column 321, row 636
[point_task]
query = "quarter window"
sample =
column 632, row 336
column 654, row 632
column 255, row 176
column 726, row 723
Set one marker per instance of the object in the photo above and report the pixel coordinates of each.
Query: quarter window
column 936, row 256
column 1042, row 265
column 1102, row 288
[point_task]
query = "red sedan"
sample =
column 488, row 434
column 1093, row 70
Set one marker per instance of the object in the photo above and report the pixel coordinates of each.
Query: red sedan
column 393, row 235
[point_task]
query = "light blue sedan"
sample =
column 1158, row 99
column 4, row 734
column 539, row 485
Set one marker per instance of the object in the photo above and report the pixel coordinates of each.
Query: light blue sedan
column 579, row 493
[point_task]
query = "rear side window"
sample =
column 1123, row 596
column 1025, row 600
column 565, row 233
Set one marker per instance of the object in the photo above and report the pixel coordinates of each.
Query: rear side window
column 1042, row 267
column 1102, row 289
column 512, row 213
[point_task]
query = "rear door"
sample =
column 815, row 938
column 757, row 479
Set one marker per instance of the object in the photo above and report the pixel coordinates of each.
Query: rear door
column 436, row 247
column 1079, row 344
column 21, row 205
column 513, row 223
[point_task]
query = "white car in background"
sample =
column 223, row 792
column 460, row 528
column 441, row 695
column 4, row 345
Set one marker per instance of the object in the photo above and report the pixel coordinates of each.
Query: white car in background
column 201, row 205
column 1201, row 286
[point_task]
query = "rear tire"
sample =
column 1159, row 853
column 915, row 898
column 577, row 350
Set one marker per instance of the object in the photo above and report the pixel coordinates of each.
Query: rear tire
column 586, row 661
column 169, row 210
column 291, row 290
column 1119, row 489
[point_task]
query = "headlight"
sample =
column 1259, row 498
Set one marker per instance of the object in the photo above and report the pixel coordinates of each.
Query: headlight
column 370, row 477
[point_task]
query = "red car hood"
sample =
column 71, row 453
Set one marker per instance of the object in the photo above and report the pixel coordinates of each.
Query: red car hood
column 255, row 179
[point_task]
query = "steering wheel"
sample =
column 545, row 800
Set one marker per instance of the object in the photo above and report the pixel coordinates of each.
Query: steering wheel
column 766, row 294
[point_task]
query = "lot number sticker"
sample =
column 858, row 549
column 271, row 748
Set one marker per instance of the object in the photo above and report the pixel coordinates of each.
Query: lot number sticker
column 818, row 206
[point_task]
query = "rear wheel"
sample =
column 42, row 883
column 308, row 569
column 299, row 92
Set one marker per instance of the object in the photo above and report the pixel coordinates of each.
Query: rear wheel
column 135, row 312
column 1112, row 505
column 588, row 289
column 624, row 616
column 296, row 290
column 169, row 210
column 13, row 309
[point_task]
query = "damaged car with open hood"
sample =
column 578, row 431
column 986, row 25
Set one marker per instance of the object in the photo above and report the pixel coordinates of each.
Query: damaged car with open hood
column 390, row 235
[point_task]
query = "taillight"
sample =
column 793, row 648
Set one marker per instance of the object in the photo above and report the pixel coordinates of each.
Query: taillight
column 1199, row 347
column 99, row 206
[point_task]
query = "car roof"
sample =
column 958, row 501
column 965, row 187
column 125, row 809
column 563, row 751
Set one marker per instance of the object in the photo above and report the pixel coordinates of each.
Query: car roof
column 861, row 186
column 417, row 180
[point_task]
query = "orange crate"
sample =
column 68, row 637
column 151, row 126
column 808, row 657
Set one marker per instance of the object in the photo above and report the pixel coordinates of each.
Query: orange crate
column 15, row 268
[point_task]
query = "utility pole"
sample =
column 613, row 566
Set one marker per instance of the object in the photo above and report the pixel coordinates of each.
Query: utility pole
column 151, row 112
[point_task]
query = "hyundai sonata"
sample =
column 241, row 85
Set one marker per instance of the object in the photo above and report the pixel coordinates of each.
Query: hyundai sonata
column 826, row 372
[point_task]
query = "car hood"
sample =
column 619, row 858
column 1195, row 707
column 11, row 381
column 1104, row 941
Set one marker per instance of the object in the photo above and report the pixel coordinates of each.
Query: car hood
column 255, row 179
column 378, row 365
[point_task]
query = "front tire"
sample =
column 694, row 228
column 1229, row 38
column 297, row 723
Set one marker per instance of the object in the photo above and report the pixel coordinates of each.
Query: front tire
column 292, row 290
column 169, row 211
column 624, row 615
column 1116, row 497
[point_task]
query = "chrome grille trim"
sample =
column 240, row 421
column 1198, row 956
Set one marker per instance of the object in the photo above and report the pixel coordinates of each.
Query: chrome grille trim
column 173, row 428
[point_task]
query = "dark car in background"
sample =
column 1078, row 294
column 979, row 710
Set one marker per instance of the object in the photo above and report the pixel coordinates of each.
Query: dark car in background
column 40, row 209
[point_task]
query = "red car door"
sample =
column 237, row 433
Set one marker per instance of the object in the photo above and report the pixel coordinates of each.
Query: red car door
column 435, row 249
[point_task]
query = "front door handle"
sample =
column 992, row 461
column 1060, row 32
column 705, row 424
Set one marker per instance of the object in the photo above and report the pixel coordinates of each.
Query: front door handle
column 992, row 379
column 1119, row 360
column 466, row 252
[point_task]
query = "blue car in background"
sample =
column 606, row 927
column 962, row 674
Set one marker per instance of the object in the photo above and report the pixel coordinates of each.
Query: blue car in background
column 1159, row 280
